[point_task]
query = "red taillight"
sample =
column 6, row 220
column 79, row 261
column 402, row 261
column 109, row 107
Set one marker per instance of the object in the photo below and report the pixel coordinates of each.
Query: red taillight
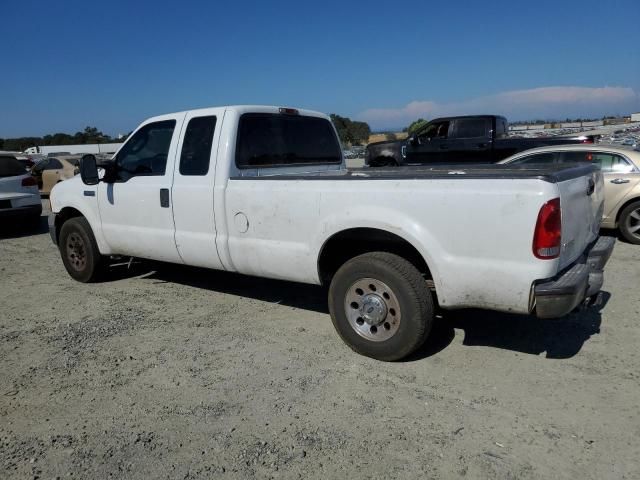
column 548, row 234
column 29, row 182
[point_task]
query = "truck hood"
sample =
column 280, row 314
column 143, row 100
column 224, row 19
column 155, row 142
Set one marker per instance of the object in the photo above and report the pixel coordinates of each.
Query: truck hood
column 379, row 151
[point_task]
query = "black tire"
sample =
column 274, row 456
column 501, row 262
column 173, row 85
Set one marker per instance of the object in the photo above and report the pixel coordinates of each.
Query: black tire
column 412, row 321
column 79, row 251
column 628, row 221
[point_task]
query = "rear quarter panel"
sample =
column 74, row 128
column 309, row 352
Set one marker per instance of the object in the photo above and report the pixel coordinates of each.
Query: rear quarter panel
column 475, row 235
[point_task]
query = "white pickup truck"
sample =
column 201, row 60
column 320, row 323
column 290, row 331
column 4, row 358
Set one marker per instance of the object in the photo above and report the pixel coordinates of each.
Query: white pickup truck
column 264, row 191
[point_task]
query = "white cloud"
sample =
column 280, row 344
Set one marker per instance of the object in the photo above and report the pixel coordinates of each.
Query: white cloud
column 543, row 102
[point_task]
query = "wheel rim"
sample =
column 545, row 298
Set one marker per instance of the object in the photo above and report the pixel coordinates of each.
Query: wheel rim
column 633, row 223
column 372, row 309
column 76, row 253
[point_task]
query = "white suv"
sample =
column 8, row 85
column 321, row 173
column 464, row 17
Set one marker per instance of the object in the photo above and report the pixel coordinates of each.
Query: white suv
column 19, row 195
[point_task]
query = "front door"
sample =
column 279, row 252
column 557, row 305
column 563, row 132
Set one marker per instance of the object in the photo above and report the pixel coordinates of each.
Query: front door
column 135, row 209
column 620, row 175
column 430, row 145
column 620, row 178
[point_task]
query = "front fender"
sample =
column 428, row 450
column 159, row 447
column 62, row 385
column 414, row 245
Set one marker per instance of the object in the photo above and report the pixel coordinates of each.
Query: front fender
column 76, row 195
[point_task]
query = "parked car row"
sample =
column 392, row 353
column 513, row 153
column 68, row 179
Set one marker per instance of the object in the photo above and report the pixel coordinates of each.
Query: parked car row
column 621, row 170
column 47, row 171
column 19, row 196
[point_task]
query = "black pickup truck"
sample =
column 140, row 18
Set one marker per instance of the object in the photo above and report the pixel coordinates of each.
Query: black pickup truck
column 469, row 139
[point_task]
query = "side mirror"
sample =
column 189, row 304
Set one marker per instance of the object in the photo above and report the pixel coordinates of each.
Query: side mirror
column 413, row 140
column 89, row 170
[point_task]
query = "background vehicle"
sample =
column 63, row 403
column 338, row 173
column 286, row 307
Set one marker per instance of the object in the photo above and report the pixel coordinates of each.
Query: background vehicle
column 469, row 139
column 52, row 170
column 56, row 150
column 621, row 169
column 264, row 191
column 19, row 197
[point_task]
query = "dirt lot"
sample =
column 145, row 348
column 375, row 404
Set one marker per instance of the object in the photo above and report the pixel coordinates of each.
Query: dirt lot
column 185, row 373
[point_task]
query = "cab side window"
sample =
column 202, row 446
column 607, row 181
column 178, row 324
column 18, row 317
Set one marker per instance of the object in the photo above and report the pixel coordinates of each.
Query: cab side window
column 196, row 147
column 611, row 163
column 146, row 152
column 576, row 157
column 54, row 164
column 471, row 127
column 435, row 130
column 41, row 165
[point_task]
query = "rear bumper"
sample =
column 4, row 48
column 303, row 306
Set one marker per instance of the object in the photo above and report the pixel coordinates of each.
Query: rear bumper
column 22, row 212
column 559, row 296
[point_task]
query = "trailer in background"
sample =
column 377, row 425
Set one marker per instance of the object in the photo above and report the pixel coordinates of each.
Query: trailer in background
column 95, row 148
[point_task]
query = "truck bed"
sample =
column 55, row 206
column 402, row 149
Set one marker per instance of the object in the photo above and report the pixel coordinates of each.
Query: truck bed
column 549, row 173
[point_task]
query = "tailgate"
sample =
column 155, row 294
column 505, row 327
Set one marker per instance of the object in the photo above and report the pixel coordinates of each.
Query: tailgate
column 582, row 206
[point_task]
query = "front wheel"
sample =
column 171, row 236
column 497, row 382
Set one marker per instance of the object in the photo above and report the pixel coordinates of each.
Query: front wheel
column 629, row 223
column 79, row 250
column 381, row 306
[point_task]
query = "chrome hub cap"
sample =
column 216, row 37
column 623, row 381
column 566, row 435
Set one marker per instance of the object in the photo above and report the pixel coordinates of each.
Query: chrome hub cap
column 372, row 309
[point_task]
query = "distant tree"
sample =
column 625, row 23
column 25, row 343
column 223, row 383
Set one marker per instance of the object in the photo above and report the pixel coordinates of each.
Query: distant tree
column 88, row 135
column 361, row 132
column 350, row 132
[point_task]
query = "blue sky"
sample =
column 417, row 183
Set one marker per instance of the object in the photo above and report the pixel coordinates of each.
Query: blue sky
column 70, row 64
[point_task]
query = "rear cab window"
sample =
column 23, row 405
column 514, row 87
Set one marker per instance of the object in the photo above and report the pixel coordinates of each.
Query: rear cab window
column 502, row 129
column 273, row 140
column 10, row 167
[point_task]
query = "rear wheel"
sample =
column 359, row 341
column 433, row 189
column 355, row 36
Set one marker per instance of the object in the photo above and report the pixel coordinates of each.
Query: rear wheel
column 79, row 250
column 381, row 306
column 629, row 223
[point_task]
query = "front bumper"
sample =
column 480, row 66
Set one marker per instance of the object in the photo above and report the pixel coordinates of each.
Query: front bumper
column 559, row 296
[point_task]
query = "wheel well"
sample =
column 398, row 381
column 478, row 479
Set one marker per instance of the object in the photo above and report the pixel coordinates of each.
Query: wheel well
column 65, row 214
column 353, row 242
column 383, row 160
column 625, row 205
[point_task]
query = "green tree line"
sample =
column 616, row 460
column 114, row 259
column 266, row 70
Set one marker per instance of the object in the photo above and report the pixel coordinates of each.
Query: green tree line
column 87, row 136
column 351, row 132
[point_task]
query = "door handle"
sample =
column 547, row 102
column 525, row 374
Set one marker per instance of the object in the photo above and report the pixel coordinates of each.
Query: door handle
column 164, row 197
column 444, row 147
column 618, row 181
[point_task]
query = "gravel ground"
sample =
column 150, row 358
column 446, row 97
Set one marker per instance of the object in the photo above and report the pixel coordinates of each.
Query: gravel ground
column 170, row 372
